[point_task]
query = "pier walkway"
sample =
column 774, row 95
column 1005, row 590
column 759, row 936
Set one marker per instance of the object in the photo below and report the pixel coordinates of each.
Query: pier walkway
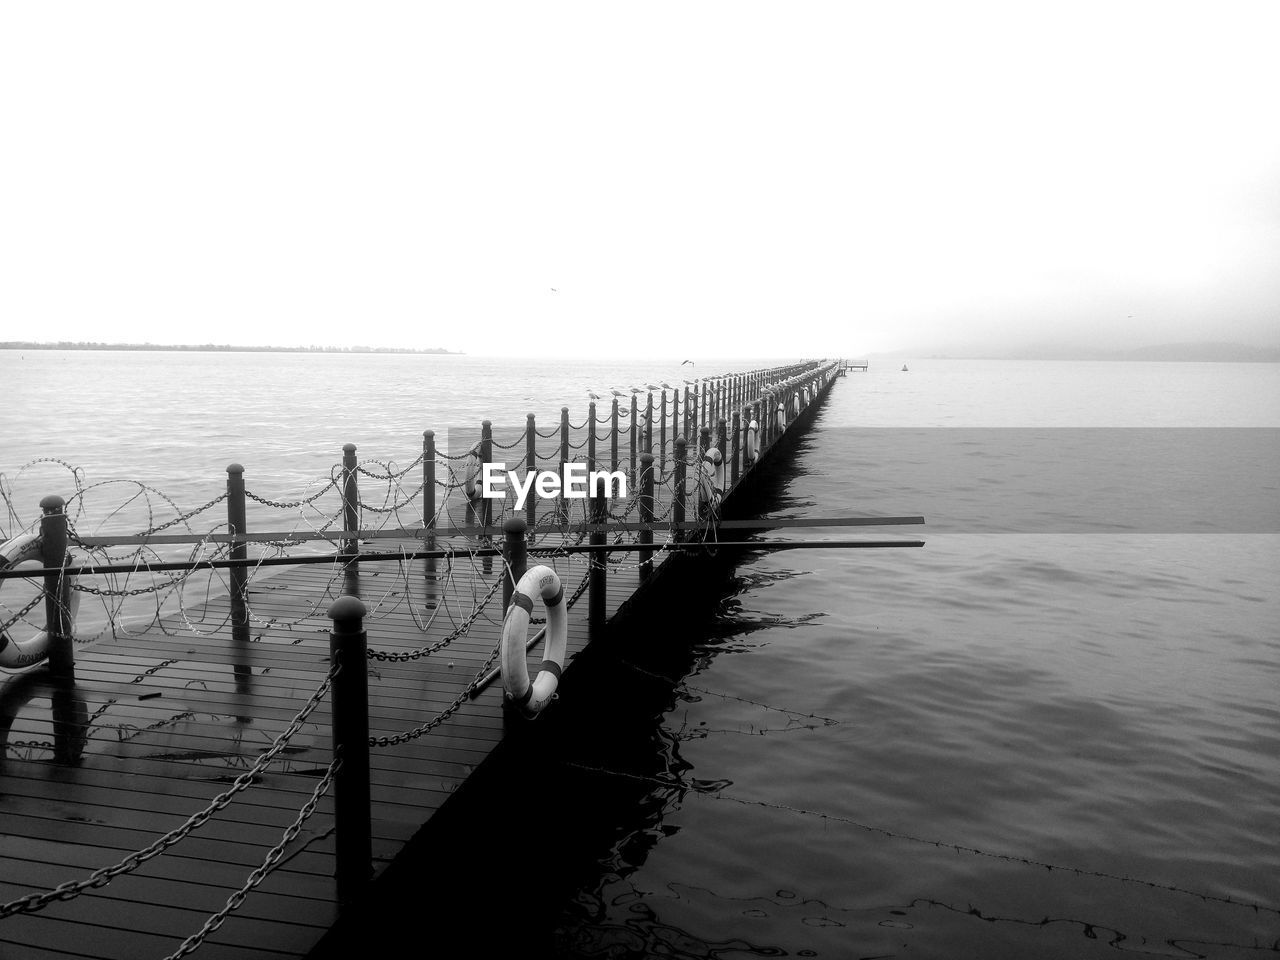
column 135, row 800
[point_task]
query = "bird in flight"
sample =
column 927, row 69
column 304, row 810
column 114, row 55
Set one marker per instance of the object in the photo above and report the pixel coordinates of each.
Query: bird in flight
column 683, row 362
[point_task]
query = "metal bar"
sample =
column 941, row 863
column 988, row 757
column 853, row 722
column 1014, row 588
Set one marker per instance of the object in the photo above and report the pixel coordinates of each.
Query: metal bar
column 419, row 533
column 445, row 553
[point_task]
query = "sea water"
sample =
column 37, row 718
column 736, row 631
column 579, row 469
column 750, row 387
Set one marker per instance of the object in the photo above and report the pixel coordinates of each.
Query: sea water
column 1041, row 739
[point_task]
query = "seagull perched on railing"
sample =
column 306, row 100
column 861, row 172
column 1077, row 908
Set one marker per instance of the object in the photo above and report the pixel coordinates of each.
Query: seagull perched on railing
column 593, row 395
column 666, row 386
column 618, row 393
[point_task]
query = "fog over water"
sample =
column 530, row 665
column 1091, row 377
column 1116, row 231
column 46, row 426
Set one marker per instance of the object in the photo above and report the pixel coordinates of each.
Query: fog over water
column 676, row 182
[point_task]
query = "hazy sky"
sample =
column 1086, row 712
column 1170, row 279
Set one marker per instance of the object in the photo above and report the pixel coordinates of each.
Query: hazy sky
column 596, row 178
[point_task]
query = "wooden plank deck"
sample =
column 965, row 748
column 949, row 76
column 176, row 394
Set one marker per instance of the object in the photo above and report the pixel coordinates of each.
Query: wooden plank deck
column 165, row 724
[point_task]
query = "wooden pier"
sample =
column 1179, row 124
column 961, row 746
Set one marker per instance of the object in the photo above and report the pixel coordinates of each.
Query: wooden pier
column 160, row 738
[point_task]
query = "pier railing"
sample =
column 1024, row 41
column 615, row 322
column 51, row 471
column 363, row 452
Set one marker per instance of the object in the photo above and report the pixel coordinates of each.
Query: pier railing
column 682, row 453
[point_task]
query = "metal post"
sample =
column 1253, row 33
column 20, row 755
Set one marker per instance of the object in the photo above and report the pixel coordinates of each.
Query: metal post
column 237, row 526
column 57, row 588
column 648, row 426
column 429, row 496
column 736, row 452
column 591, row 435
column 515, row 556
column 350, row 692
column 704, row 441
column 721, row 440
column 561, row 506
column 677, row 507
column 597, row 585
column 662, row 430
column 530, row 465
column 687, row 422
column 486, row 456
column 613, row 437
column 646, row 513
column 350, row 501
column 635, row 429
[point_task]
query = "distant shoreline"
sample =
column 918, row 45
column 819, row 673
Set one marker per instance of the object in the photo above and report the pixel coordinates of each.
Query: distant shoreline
column 211, row 348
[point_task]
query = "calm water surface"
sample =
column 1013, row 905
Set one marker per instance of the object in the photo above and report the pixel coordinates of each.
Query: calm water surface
column 856, row 724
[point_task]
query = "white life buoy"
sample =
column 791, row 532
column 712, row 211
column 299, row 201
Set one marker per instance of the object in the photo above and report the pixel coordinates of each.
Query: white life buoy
column 711, row 479
column 753, row 431
column 782, row 417
column 531, row 698
column 471, row 474
column 17, row 654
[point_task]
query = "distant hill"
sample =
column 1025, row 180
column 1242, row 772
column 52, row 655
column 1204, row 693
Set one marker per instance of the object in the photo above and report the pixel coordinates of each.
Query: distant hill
column 206, row 347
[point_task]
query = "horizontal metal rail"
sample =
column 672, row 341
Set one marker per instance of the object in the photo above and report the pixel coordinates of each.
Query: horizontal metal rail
column 419, row 533
column 441, row 554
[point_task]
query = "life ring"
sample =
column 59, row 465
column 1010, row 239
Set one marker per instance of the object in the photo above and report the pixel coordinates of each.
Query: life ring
column 711, row 480
column 749, row 446
column 471, row 474
column 17, row 654
column 531, row 698
column 782, row 417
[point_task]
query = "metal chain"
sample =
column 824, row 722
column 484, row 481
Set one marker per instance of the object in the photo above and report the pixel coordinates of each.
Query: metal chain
column 100, row 878
column 291, row 504
column 390, row 474
column 4, row 627
column 395, row 506
column 269, row 863
column 507, row 446
column 444, row 714
column 461, row 630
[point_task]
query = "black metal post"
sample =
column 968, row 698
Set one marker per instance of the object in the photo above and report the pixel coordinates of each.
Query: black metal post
column 597, row 584
column 646, row 513
column 530, row 466
column 429, row 497
column 350, row 501
column 350, row 691
column 515, row 557
column 57, row 588
column 677, row 507
column 237, row 525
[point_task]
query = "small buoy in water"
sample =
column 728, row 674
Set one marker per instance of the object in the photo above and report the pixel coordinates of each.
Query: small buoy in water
column 904, row 368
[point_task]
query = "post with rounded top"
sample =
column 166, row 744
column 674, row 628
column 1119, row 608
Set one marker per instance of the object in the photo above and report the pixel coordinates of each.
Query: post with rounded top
column 429, row 497
column 591, row 435
column 597, row 584
column 564, row 458
column 57, row 587
column 350, row 698
column 350, row 501
column 662, row 430
column 721, row 440
column 704, row 441
column 515, row 556
column 613, row 437
column 677, row 506
column 237, row 526
column 635, row 431
column 735, row 453
column 687, row 425
column 486, row 456
column 646, row 514
column 530, row 465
